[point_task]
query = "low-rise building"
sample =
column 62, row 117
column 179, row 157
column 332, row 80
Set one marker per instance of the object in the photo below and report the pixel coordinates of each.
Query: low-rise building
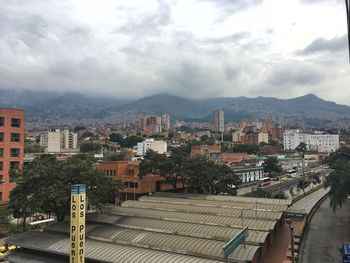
column 317, row 141
column 151, row 144
column 135, row 186
column 248, row 175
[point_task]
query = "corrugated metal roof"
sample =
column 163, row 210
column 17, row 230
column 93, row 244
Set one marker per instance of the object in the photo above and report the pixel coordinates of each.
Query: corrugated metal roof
column 253, row 224
column 179, row 228
column 216, row 203
column 282, row 202
column 26, row 257
column 102, row 251
column 206, row 248
column 226, row 211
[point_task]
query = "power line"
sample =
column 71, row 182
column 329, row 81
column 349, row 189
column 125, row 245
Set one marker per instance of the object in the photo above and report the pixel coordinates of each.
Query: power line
column 347, row 4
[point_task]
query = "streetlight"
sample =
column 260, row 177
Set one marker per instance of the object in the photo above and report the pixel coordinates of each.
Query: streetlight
column 289, row 222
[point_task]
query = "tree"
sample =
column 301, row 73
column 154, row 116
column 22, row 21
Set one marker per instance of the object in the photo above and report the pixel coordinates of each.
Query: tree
column 130, row 142
column 45, row 185
column 123, row 155
column 271, row 165
column 339, row 178
column 116, row 137
column 4, row 220
column 246, row 148
column 301, row 149
column 206, row 177
column 90, row 147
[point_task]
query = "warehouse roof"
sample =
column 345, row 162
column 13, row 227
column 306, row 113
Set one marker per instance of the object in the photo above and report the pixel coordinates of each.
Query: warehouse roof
column 179, row 228
column 282, row 202
column 216, row 203
column 99, row 251
column 226, row 211
column 206, row 248
column 252, row 224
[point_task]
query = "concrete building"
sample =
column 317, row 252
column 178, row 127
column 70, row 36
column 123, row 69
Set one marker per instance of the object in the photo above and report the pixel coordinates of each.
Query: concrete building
column 263, row 137
column 166, row 122
column 219, row 122
column 151, row 124
column 59, row 141
column 318, row 141
column 11, row 148
column 248, row 175
column 135, row 186
column 151, row 144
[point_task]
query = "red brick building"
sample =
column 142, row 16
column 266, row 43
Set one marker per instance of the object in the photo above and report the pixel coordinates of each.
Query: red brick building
column 128, row 173
column 11, row 148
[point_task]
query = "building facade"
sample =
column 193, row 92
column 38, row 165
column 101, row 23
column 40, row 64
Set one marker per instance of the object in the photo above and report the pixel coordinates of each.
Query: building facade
column 128, row 172
column 11, row 148
column 151, row 144
column 151, row 124
column 219, row 121
column 249, row 175
column 318, row 141
column 59, row 141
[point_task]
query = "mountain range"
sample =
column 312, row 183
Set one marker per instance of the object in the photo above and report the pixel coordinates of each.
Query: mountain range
column 73, row 108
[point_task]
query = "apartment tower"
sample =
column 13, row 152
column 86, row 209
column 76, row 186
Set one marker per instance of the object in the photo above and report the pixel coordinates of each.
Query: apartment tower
column 219, row 123
column 11, row 148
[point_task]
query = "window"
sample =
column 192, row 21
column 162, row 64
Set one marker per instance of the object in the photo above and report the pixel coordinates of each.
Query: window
column 14, row 165
column 1, row 152
column 15, row 137
column 131, row 172
column 2, row 121
column 0, row 196
column 14, row 152
column 1, row 136
column 15, row 122
column 1, row 166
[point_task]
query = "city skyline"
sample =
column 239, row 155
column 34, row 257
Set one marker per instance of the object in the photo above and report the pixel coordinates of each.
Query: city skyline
column 231, row 48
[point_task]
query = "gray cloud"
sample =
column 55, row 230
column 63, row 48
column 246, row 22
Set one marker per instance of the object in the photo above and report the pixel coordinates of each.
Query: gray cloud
column 321, row 45
column 230, row 7
column 45, row 45
column 295, row 74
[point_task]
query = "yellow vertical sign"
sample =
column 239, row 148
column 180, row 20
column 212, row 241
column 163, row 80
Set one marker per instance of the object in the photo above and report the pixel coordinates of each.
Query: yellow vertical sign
column 77, row 223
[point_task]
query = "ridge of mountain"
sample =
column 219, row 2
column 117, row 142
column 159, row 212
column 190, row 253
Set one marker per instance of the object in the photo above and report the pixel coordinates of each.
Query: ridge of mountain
column 61, row 107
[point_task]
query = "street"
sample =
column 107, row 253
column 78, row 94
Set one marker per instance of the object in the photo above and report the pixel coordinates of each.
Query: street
column 326, row 233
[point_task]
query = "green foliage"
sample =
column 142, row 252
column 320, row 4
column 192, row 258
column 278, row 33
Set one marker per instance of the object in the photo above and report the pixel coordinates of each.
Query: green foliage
column 127, row 142
column 45, row 185
column 246, row 148
column 205, row 139
column 4, row 221
column 122, row 156
column 301, row 149
column 339, row 178
column 201, row 175
column 33, row 149
column 116, row 137
column 271, row 165
column 90, row 147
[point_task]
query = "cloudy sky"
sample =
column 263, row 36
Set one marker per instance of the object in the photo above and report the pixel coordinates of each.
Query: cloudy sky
column 191, row 48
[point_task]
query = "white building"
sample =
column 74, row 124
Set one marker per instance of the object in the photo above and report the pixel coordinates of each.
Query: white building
column 248, row 175
column 319, row 142
column 219, row 122
column 151, row 144
column 263, row 137
column 59, row 141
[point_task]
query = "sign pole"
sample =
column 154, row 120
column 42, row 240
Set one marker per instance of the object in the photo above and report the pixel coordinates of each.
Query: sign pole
column 77, row 224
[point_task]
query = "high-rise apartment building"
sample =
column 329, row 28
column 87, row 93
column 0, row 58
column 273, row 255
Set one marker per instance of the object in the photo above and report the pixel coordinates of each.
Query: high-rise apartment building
column 11, row 148
column 59, row 141
column 219, row 122
column 151, row 124
column 166, row 122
